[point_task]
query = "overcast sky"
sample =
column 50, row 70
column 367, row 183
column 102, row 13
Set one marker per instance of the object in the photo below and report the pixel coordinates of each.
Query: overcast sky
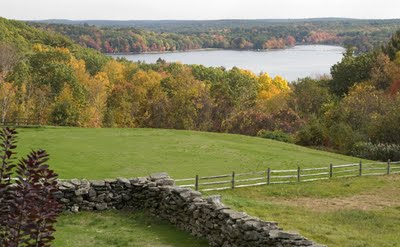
column 196, row 9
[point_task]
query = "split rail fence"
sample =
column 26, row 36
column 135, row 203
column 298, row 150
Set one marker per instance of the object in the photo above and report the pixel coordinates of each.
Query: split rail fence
column 21, row 122
column 239, row 180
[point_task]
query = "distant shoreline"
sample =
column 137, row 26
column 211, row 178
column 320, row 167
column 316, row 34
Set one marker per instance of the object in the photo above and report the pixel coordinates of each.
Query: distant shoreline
column 212, row 49
column 163, row 52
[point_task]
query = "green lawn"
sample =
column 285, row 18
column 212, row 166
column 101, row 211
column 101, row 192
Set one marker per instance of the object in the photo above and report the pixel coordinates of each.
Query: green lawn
column 120, row 228
column 341, row 212
column 351, row 212
column 109, row 153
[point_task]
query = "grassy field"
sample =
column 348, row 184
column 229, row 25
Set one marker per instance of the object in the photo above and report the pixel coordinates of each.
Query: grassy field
column 120, row 229
column 109, row 153
column 341, row 212
column 351, row 212
column 354, row 212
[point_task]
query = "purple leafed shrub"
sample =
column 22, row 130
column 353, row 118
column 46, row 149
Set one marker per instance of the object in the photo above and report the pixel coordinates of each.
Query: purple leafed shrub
column 28, row 209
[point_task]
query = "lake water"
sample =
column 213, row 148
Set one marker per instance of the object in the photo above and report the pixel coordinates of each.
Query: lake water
column 291, row 63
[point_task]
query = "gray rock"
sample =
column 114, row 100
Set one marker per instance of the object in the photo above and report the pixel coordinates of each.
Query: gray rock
column 67, row 185
column 234, row 214
column 194, row 193
column 251, row 235
column 140, row 181
column 76, row 182
column 158, row 176
column 100, row 206
column 165, row 182
column 58, row 194
column 283, row 235
column 77, row 199
column 198, row 200
column 123, row 181
column 92, row 192
column 75, row 209
column 133, row 180
column 152, row 184
column 81, row 191
column 110, row 181
column 98, row 183
column 251, row 225
column 65, row 200
column 216, row 203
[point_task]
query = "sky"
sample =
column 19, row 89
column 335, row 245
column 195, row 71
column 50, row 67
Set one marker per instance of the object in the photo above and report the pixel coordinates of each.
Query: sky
column 196, row 9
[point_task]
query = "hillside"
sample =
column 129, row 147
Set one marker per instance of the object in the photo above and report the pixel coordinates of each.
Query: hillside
column 112, row 36
column 330, row 212
column 108, row 153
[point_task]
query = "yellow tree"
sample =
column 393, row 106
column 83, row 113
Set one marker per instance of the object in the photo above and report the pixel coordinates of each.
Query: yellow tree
column 115, row 72
column 65, row 111
column 148, row 99
column 42, row 103
column 7, row 99
column 80, row 71
column 187, row 99
column 273, row 92
column 97, row 88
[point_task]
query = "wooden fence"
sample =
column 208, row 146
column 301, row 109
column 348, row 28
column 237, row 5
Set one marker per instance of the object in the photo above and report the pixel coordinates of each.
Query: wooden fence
column 21, row 122
column 239, row 180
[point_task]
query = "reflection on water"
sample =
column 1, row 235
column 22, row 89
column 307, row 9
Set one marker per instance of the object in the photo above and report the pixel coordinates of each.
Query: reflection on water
column 292, row 63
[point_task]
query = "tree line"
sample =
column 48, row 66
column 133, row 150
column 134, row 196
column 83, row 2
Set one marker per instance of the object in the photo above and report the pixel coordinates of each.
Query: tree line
column 243, row 35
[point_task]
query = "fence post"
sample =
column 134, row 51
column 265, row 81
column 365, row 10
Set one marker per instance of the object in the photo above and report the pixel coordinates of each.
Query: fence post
column 360, row 173
column 233, row 180
column 197, row 183
column 388, row 167
column 298, row 174
column 269, row 176
column 330, row 170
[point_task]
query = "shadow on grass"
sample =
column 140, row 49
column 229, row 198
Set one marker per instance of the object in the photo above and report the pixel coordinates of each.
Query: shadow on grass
column 120, row 228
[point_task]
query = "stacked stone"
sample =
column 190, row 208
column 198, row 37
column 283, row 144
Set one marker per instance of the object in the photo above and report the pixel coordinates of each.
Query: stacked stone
column 185, row 208
column 82, row 194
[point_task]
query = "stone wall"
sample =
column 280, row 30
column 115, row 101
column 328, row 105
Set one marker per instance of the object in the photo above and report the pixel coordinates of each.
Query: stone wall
column 185, row 208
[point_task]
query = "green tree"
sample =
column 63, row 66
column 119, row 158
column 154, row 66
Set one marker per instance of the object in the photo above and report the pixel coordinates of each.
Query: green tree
column 393, row 46
column 349, row 71
column 309, row 96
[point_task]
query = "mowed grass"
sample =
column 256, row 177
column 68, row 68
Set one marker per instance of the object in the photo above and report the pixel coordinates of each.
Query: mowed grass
column 341, row 212
column 119, row 229
column 109, row 153
column 353, row 212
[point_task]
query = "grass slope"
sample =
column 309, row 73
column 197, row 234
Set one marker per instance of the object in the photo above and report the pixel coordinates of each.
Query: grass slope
column 109, row 153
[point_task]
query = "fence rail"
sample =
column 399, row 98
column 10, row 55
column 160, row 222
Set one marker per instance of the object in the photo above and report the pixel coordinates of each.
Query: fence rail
column 270, row 176
column 21, row 122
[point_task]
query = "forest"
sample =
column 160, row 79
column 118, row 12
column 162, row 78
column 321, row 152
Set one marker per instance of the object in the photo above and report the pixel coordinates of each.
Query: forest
column 48, row 77
column 161, row 36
